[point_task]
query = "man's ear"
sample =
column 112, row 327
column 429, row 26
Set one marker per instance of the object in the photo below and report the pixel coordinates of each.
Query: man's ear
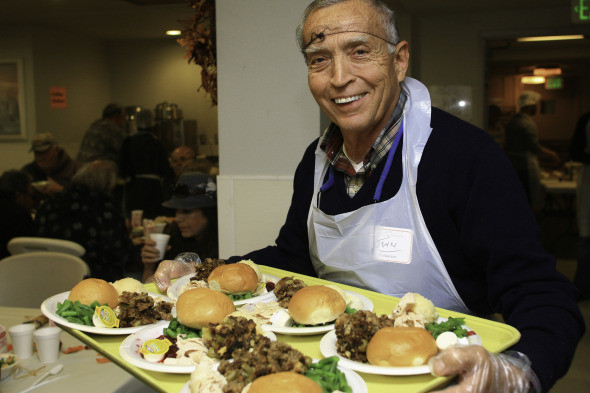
column 401, row 59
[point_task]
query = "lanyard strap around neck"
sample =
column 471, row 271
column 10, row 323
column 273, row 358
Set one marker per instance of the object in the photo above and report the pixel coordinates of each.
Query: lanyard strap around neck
column 387, row 167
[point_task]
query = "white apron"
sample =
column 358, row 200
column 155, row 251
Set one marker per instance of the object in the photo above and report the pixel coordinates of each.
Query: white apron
column 385, row 247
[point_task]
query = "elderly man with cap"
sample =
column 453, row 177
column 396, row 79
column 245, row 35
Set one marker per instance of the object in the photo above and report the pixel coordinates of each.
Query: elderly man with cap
column 52, row 164
column 195, row 223
column 523, row 148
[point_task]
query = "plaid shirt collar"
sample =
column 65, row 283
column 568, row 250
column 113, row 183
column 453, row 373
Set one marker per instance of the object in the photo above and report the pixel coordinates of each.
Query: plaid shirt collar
column 332, row 143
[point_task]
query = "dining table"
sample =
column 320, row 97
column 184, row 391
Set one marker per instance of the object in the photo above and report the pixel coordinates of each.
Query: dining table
column 495, row 337
column 84, row 367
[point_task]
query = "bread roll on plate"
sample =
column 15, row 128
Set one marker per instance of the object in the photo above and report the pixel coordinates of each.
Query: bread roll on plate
column 91, row 289
column 401, row 347
column 284, row 382
column 235, row 278
column 316, row 304
column 197, row 308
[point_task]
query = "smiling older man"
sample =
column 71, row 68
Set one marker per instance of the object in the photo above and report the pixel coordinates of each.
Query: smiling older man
column 397, row 196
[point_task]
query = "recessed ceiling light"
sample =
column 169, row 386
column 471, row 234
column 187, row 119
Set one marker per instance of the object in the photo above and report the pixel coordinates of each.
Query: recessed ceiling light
column 551, row 38
column 173, row 32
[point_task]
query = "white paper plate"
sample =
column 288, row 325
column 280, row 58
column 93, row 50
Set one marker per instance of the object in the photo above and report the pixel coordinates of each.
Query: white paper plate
column 129, row 350
column 328, row 348
column 308, row 331
column 356, row 383
column 49, row 308
column 175, row 289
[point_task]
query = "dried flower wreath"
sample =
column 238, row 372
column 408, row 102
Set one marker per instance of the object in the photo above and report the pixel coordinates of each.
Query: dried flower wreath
column 198, row 37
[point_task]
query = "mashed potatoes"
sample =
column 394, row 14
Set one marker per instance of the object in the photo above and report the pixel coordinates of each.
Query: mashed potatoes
column 130, row 285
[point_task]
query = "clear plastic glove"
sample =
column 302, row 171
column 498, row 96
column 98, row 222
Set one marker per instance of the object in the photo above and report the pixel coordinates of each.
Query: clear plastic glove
column 168, row 270
column 480, row 371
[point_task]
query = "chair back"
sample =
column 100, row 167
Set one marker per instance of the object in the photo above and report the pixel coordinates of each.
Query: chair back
column 26, row 280
column 20, row 245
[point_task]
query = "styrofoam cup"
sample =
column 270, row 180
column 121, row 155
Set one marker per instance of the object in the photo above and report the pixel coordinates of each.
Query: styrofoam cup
column 47, row 340
column 21, row 337
column 161, row 240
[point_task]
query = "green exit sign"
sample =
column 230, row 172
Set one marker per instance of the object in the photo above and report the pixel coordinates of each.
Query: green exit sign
column 580, row 11
column 554, row 83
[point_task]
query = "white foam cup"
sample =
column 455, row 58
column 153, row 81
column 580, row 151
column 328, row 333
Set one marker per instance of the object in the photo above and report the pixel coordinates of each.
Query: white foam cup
column 22, row 339
column 47, row 340
column 161, row 240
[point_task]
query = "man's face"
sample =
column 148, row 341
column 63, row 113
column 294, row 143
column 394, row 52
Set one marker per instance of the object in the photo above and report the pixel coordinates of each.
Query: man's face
column 47, row 160
column 351, row 74
column 179, row 158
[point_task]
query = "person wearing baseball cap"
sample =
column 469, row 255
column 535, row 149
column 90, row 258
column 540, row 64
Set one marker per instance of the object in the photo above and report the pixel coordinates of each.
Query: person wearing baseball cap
column 194, row 196
column 523, row 148
column 52, row 169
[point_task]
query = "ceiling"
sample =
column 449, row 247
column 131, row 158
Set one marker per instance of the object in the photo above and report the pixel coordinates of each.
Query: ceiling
column 135, row 19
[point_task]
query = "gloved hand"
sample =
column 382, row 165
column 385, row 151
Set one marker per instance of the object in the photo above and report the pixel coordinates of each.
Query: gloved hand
column 171, row 269
column 483, row 372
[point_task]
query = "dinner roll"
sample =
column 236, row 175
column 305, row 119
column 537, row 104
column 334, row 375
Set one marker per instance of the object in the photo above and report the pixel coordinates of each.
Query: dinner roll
column 316, row 304
column 401, row 347
column 284, row 382
column 235, row 278
column 197, row 308
column 91, row 289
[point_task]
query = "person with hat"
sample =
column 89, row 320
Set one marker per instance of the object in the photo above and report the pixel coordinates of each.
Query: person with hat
column 52, row 164
column 194, row 229
column 523, row 148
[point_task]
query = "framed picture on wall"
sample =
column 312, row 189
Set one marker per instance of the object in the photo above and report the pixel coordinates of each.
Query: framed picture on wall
column 12, row 100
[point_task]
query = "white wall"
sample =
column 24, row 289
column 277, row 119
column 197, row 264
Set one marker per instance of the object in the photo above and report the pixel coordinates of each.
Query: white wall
column 267, row 117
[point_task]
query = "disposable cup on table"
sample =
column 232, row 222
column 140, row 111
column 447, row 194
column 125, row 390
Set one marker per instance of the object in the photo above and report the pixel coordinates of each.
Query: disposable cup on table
column 22, row 339
column 161, row 240
column 47, row 340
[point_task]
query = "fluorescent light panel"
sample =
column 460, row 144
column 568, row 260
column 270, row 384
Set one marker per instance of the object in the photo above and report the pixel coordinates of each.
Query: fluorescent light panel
column 532, row 80
column 551, row 38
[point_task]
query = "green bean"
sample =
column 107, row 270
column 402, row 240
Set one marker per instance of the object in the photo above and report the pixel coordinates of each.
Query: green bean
column 75, row 320
column 72, row 313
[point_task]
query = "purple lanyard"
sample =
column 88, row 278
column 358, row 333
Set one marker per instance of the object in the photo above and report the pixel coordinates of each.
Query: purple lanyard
column 330, row 182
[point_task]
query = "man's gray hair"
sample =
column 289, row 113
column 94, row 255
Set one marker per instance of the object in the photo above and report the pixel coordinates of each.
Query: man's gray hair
column 387, row 20
column 100, row 176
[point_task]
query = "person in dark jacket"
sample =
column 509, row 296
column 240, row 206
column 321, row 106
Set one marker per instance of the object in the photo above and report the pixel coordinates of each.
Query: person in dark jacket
column 17, row 203
column 143, row 163
column 85, row 213
column 53, row 168
column 398, row 196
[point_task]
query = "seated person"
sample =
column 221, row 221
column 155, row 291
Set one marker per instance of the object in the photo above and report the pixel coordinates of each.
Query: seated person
column 17, row 201
column 52, row 164
column 195, row 223
column 84, row 212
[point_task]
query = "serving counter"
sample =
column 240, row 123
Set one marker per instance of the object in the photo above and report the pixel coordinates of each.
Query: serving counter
column 495, row 337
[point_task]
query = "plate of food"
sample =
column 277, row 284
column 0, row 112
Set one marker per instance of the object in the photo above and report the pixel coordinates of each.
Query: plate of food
column 312, row 310
column 242, row 281
column 200, row 332
column 133, row 310
column 382, row 344
column 270, row 366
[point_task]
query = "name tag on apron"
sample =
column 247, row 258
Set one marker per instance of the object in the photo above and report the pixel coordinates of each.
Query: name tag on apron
column 393, row 245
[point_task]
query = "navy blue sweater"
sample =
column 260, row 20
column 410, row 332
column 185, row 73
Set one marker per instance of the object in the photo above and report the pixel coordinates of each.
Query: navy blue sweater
column 477, row 213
